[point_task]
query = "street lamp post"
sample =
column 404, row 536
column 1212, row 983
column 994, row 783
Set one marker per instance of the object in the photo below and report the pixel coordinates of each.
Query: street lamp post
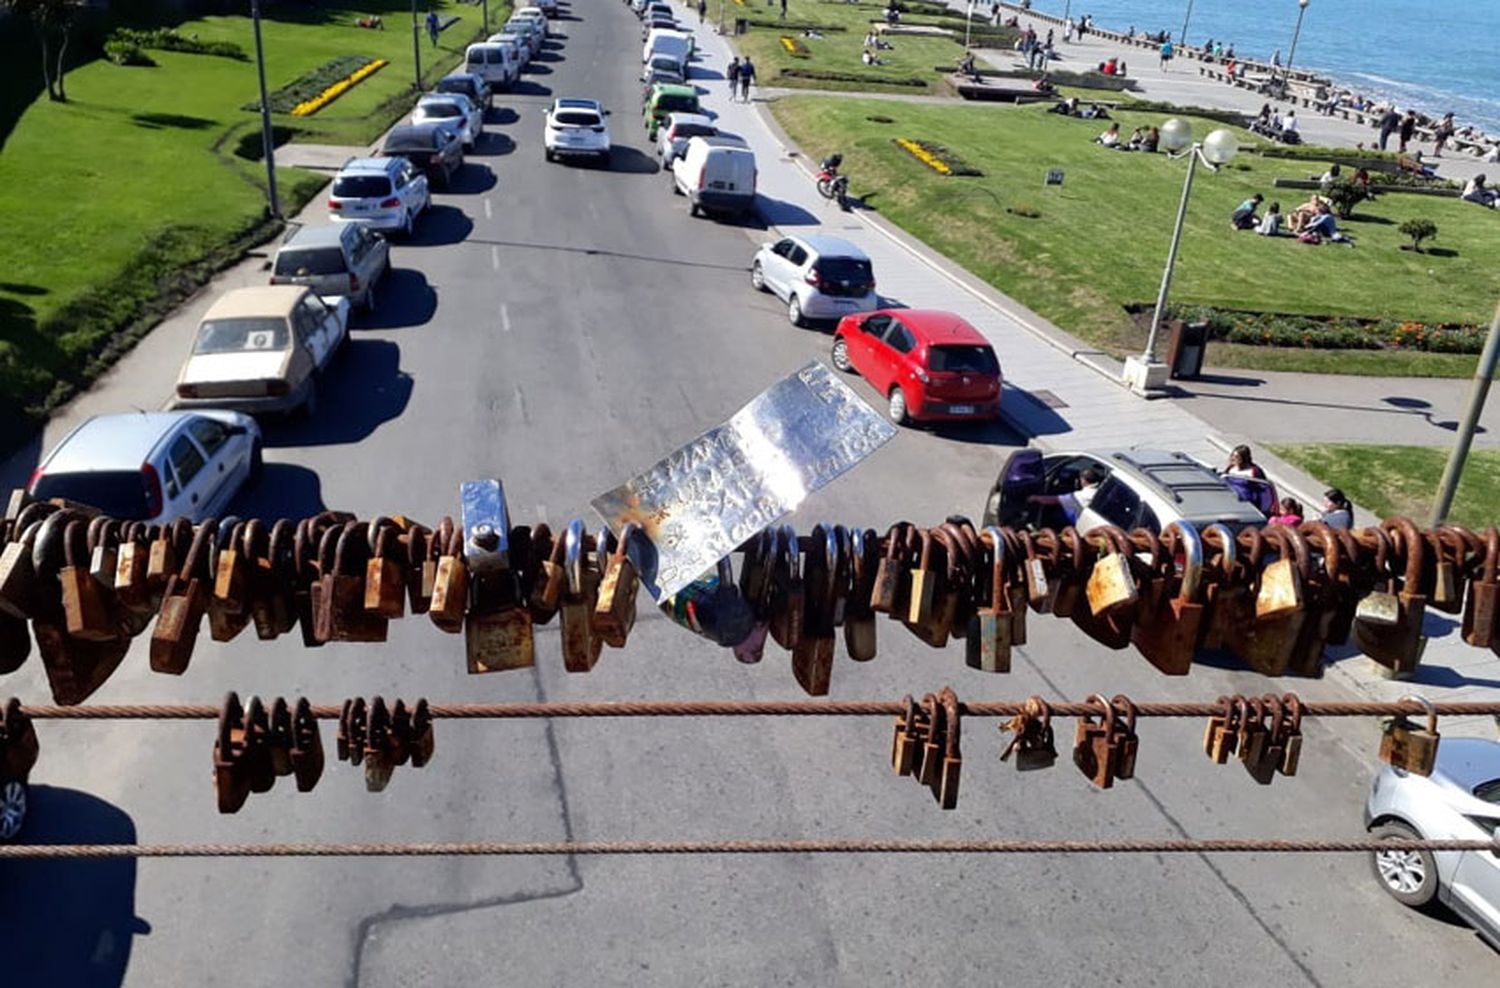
column 486, row 17
column 1145, row 373
column 1182, row 40
column 1483, row 374
column 267, row 140
column 1286, row 76
column 416, row 44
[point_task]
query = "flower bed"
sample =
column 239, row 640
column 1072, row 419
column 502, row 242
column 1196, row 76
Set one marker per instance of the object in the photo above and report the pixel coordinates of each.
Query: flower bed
column 794, row 47
column 310, row 86
column 937, row 157
column 166, row 39
column 864, row 79
column 1331, row 332
column 308, row 107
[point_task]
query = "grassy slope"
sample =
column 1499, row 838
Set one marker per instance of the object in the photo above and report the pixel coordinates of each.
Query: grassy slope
column 1401, row 480
column 1102, row 237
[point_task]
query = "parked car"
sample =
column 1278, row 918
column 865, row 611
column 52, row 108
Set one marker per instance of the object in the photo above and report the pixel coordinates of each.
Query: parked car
column 380, row 193
column 432, row 147
column 653, row 8
column 338, row 259
column 527, row 29
column 664, row 99
column 658, row 22
column 663, row 68
column 931, row 366
column 260, row 350
column 471, row 84
column 677, row 44
column 576, row 128
column 534, row 15
column 1460, row 801
column 153, row 466
column 455, row 110
column 1142, row 488
column 548, row 7
column 818, row 277
column 717, row 174
column 516, row 41
column 674, row 132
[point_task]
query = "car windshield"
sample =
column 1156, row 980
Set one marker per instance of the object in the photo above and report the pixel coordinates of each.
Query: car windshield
column 575, row 118
column 441, row 109
column 235, row 335
column 464, row 86
column 845, row 269
column 669, row 103
column 361, row 186
column 963, row 360
column 121, row 493
column 300, row 263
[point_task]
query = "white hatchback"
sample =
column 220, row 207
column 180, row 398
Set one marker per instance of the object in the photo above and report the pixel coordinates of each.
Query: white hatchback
column 380, row 193
column 454, row 109
column 576, row 128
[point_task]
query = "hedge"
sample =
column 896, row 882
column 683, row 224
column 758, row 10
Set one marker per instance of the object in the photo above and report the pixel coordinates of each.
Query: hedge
column 861, row 78
column 1332, row 332
column 1208, row 113
column 166, row 39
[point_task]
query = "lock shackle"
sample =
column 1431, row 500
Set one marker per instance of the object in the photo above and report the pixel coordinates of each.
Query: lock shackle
column 1415, row 551
column 830, row 550
column 895, row 541
column 195, row 562
column 859, row 569
column 932, row 710
column 76, row 545
column 1187, row 539
column 34, row 512
column 1275, row 709
column 963, row 554
column 789, row 551
column 379, row 524
column 573, row 555
column 1038, row 709
column 925, row 542
column 1220, row 538
column 1426, row 704
column 1242, row 708
column 954, row 557
column 1384, row 550
column 1464, row 546
column 50, row 546
column 1491, row 555
column 1106, row 713
column 1284, row 537
column 1294, row 712
column 621, row 554
column 1225, row 709
column 281, row 549
column 952, row 721
column 352, row 550
column 224, row 537
column 1123, row 704
column 994, row 537
column 387, row 543
column 909, row 713
column 104, row 531
column 1321, row 537
column 255, row 540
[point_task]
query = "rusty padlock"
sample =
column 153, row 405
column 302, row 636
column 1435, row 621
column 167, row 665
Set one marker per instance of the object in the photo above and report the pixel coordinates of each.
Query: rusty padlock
column 348, row 621
column 380, row 749
column 307, row 747
column 1482, row 605
column 450, row 588
column 905, row 738
column 614, row 614
column 228, row 613
column 859, row 616
column 988, row 642
column 1406, row 746
column 385, row 571
column 1168, row 635
column 231, row 770
column 183, row 603
column 946, row 789
column 1095, row 750
column 88, row 614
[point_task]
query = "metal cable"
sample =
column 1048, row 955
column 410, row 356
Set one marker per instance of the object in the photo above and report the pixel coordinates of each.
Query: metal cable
column 749, row 708
column 832, row 845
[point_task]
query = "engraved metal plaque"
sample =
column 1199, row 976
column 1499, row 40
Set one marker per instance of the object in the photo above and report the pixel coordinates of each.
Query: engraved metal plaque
column 705, row 499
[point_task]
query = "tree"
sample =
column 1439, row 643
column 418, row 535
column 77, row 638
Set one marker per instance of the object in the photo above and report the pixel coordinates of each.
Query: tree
column 1419, row 229
column 52, row 20
column 1345, row 195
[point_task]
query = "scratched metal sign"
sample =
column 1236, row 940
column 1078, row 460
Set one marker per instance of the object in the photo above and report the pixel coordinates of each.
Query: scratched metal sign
column 705, row 499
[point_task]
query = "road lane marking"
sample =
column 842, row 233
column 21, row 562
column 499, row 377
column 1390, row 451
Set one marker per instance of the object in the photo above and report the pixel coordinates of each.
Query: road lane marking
column 495, row 257
column 505, row 317
column 487, row 213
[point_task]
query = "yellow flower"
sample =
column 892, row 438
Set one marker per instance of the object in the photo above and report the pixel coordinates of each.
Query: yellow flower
column 333, row 92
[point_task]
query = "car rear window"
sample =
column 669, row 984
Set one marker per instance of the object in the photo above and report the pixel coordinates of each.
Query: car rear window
column 361, row 186
column 410, row 142
column 441, row 110
column 235, row 335
column 1488, row 791
column 677, row 104
column 465, row 86
column 318, row 260
column 576, row 118
column 694, row 130
column 121, row 493
column 844, row 269
column 963, row 360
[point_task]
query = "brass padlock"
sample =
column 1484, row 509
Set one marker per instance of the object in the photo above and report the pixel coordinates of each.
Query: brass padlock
column 1449, row 550
column 581, row 647
column 385, row 574
column 1264, row 765
column 498, row 633
column 885, row 594
column 1483, row 602
column 1291, row 741
column 228, row 613
column 1253, row 733
column 614, row 614
column 418, row 591
column 1034, row 745
column 421, row 742
column 1111, row 588
column 929, row 763
column 1093, row 751
column 86, row 611
column 1398, row 647
column 1279, row 593
column 348, row 621
column 18, row 580
column 1040, row 591
column 1124, row 739
column 924, row 617
column 946, row 789
column 1169, row 635
column 349, row 743
column 904, row 738
column 1221, row 733
column 259, row 768
column 1406, row 746
column 988, row 643
column 450, row 588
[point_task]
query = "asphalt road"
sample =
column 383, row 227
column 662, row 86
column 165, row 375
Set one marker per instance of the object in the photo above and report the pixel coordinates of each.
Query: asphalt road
column 563, row 327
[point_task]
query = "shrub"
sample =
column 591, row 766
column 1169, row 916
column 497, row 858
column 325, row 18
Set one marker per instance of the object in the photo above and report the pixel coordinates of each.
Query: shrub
column 1173, row 109
column 126, row 53
column 796, row 25
column 881, row 120
column 863, row 78
column 1024, row 210
column 1418, row 229
column 166, row 39
column 1329, row 332
column 312, row 85
column 1345, row 195
column 1312, row 152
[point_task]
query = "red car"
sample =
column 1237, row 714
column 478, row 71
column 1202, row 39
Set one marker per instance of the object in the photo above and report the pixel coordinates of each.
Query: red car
column 931, row 365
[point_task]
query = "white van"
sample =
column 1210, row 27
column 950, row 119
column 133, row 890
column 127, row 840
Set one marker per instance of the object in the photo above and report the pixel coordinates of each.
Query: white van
column 494, row 62
column 678, row 44
column 516, row 41
column 717, row 174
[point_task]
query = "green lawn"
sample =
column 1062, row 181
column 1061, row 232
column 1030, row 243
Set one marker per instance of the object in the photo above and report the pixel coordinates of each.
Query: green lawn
column 838, row 51
column 108, row 196
column 1401, row 480
column 1102, row 237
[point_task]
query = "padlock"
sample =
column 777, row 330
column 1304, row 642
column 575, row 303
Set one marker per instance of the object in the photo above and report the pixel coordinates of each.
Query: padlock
column 755, row 570
column 1406, row 746
column 279, row 737
column 1279, row 592
column 379, row 760
column 130, row 571
column 946, row 789
column 1268, row 641
column 614, row 614
column 259, row 769
column 1228, row 604
column 15, row 504
column 1221, row 734
column 581, row 646
column 165, row 557
column 1111, row 588
column 1032, row 741
column 307, row 747
column 231, row 771
column 104, row 552
column 498, row 633
column 1483, row 602
column 87, row 612
column 1398, row 647
column 450, row 588
column 183, row 604
column 18, row 581
column 305, row 563
column 788, row 592
column 228, row 614
column 1449, row 551
column 1264, row 767
column 988, row 642
column 924, row 616
column 1094, row 752
column 859, row 617
column 552, row 576
column 19, row 747
column 928, row 768
column 1040, row 591
column 1123, row 739
column 955, row 601
column 886, row 593
column 1291, row 741
column 399, row 745
column 1110, row 629
column 812, row 657
column 1168, row 635
column 1069, row 571
column 385, row 573
column 1323, row 593
column 349, row 621
column 905, row 739
column 353, row 727
column 418, row 538
column 1253, row 735
column 422, row 742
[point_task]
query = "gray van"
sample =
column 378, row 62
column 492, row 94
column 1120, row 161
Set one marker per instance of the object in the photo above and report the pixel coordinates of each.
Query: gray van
column 334, row 259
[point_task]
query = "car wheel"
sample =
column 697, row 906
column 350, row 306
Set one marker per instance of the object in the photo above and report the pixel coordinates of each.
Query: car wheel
column 547, row 153
column 14, row 800
column 258, row 462
column 794, row 312
column 841, row 356
column 694, row 209
column 757, row 277
column 896, row 411
column 1409, row 876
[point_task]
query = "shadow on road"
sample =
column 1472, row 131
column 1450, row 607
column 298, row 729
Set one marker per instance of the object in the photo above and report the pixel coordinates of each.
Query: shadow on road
column 472, row 179
column 363, row 388
column 631, row 161
column 500, row 115
column 438, row 227
column 992, row 433
column 403, row 299
column 778, row 212
column 70, row 922
column 548, row 56
column 1030, row 413
column 524, row 87
column 535, row 66
column 285, row 491
column 493, row 145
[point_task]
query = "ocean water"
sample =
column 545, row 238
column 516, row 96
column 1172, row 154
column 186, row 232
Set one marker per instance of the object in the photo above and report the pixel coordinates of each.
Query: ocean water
column 1433, row 55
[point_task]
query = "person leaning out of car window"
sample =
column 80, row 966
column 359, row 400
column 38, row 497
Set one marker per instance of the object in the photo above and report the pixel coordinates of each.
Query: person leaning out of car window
column 1241, row 465
column 1074, row 502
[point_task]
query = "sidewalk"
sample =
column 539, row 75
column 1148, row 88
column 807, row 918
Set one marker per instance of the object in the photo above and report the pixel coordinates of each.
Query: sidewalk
column 1055, row 388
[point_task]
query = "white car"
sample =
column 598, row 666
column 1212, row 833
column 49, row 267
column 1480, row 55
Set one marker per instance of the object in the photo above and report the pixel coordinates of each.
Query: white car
column 819, row 277
column 516, row 41
column 454, row 109
column 379, row 193
column 260, row 349
column 153, row 466
column 548, row 7
column 672, row 136
column 576, row 128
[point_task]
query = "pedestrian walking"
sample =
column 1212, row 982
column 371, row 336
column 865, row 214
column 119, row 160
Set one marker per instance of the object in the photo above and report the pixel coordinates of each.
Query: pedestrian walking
column 702, row 10
column 1408, row 127
column 1166, row 55
column 783, row 9
column 432, row 26
column 1389, row 121
column 747, row 76
column 732, row 73
column 1443, row 132
column 1068, row 30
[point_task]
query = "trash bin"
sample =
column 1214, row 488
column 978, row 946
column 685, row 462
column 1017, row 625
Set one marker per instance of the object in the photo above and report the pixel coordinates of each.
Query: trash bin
column 1188, row 346
column 741, row 25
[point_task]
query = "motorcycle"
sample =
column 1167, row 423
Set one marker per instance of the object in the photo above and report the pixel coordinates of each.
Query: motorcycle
column 832, row 185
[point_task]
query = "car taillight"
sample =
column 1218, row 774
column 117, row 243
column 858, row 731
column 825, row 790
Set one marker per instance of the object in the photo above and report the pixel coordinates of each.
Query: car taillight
column 152, row 483
column 353, row 282
column 277, row 387
column 187, row 391
column 921, row 375
column 702, row 176
column 36, row 475
column 390, row 203
column 335, row 204
column 813, row 278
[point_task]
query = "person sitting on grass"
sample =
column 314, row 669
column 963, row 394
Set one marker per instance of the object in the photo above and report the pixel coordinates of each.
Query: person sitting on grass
column 1043, row 85
column 1243, row 217
column 1137, row 138
column 1326, row 180
column 1110, row 138
column 1068, row 107
column 1151, row 141
column 1323, row 225
column 1477, row 191
column 966, row 67
column 870, row 58
column 1270, row 224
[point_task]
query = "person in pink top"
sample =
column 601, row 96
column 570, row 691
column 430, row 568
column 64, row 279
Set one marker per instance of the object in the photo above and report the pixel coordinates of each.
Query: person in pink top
column 1288, row 512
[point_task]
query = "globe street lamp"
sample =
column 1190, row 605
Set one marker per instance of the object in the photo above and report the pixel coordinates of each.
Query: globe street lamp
column 1286, row 77
column 1144, row 374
